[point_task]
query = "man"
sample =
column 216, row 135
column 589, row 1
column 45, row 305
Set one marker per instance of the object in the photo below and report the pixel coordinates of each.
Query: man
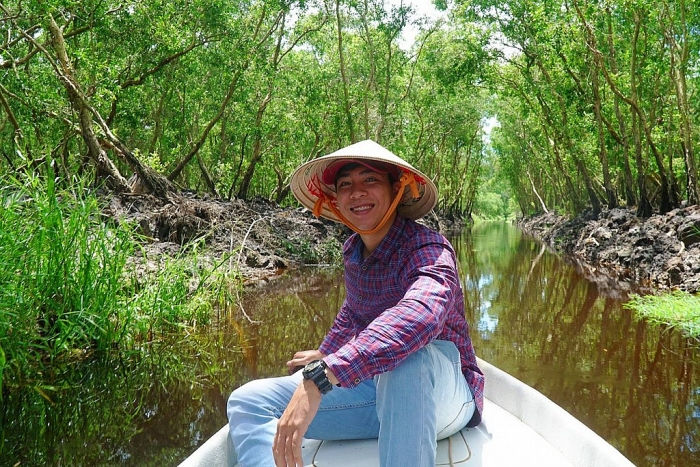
column 398, row 363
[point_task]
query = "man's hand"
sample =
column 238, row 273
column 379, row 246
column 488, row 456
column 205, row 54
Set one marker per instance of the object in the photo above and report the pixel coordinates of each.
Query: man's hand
column 293, row 424
column 301, row 359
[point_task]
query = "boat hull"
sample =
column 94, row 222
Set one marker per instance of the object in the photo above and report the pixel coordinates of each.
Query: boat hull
column 520, row 427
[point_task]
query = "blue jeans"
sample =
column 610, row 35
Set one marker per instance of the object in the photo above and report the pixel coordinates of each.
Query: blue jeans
column 424, row 399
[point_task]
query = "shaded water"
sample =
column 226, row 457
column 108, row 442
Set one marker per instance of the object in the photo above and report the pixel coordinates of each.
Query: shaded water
column 531, row 315
column 536, row 318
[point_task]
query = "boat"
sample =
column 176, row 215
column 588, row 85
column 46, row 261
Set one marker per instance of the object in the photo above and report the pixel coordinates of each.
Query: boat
column 520, row 426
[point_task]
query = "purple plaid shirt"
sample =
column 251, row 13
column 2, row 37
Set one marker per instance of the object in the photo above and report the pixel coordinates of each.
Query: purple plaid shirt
column 403, row 296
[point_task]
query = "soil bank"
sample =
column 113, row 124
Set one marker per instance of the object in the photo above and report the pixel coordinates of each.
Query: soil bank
column 260, row 238
column 626, row 253
column 616, row 249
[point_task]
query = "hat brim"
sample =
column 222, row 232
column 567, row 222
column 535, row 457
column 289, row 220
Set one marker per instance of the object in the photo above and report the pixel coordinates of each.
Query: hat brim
column 306, row 183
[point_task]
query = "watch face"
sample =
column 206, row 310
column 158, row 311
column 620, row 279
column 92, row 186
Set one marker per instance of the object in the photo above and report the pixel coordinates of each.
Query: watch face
column 311, row 368
column 315, row 364
column 316, row 372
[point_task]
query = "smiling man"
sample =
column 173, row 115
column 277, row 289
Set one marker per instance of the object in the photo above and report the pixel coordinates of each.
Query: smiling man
column 364, row 194
column 398, row 363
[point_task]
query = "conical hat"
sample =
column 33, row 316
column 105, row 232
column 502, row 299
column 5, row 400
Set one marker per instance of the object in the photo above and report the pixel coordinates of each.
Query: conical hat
column 307, row 184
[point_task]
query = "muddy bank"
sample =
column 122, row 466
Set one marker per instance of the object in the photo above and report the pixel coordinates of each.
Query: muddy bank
column 618, row 250
column 622, row 252
column 260, row 238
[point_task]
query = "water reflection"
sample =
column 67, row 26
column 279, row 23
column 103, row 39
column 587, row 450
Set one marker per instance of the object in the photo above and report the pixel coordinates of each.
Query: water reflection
column 531, row 315
column 109, row 411
column 154, row 409
column 538, row 319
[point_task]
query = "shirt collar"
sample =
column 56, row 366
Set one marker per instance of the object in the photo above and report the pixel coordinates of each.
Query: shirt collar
column 385, row 248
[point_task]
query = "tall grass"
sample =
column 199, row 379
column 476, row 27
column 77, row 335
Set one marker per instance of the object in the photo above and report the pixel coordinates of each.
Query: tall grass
column 182, row 292
column 61, row 268
column 66, row 287
column 678, row 309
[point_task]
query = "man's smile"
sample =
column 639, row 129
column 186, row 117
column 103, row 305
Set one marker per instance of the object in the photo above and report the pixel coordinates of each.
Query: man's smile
column 361, row 208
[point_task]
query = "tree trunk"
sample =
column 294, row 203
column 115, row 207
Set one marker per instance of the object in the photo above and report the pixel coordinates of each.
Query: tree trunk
column 277, row 57
column 211, row 186
column 597, row 107
column 257, row 142
column 644, row 209
column 561, row 131
column 343, row 74
column 623, row 140
column 233, row 85
column 679, row 64
column 371, row 80
column 105, row 168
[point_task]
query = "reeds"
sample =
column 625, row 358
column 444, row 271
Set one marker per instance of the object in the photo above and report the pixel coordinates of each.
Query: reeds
column 66, row 287
column 61, row 270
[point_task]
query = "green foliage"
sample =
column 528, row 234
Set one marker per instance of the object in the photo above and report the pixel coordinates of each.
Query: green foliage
column 2, row 369
column 69, row 289
column 148, row 406
column 494, row 199
column 490, row 205
column 327, row 252
column 595, row 104
column 246, row 90
column 63, row 267
column 677, row 309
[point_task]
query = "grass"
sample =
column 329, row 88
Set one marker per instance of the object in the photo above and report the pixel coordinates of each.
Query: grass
column 61, row 271
column 67, row 289
column 677, row 309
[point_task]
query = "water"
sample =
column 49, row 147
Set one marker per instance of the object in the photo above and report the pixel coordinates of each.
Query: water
column 538, row 319
column 531, row 314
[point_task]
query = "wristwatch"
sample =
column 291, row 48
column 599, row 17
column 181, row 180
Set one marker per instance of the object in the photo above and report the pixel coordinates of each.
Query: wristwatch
column 316, row 372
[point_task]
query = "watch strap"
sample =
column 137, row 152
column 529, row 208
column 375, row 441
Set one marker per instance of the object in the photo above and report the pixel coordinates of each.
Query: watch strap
column 317, row 374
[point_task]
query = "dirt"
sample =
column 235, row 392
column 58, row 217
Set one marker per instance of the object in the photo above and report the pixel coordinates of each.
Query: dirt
column 618, row 250
column 625, row 253
column 260, row 239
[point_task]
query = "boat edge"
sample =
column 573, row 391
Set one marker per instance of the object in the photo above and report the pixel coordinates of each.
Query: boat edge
column 585, row 448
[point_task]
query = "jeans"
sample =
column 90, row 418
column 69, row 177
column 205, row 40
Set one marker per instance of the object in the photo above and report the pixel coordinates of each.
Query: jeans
column 410, row 408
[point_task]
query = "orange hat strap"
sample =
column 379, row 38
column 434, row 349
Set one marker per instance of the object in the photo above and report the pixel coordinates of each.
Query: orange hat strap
column 407, row 179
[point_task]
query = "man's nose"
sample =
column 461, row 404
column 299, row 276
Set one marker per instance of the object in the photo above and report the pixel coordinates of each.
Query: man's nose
column 357, row 192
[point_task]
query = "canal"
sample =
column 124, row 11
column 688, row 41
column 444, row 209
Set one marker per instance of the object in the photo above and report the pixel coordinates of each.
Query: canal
column 531, row 314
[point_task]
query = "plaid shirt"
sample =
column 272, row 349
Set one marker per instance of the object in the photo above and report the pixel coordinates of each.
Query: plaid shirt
column 403, row 296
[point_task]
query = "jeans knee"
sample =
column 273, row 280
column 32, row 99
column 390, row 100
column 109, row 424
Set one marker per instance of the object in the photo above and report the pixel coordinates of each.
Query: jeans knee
column 244, row 398
column 412, row 370
column 262, row 397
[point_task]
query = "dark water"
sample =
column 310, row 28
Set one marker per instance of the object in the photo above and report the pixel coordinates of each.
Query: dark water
column 531, row 314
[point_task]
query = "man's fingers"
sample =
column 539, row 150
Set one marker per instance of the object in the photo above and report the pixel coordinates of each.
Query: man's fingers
column 290, row 453
column 278, row 452
column 296, row 451
column 286, row 451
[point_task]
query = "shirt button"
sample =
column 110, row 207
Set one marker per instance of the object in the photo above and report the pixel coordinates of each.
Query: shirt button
column 364, row 268
column 357, row 381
